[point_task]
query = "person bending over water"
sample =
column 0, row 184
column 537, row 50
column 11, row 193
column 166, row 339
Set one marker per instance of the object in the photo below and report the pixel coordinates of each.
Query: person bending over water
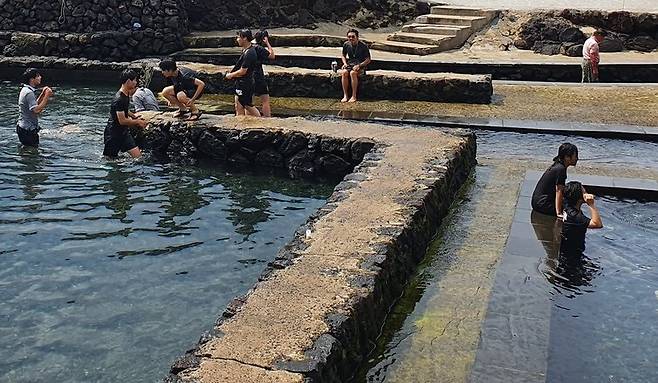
column 184, row 89
column 30, row 106
column 117, row 135
column 575, row 223
column 548, row 194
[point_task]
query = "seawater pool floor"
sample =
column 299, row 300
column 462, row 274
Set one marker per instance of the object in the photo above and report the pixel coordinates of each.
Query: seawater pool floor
column 433, row 333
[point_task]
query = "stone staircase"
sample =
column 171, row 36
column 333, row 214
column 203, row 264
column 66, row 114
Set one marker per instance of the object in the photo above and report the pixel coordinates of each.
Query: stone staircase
column 446, row 27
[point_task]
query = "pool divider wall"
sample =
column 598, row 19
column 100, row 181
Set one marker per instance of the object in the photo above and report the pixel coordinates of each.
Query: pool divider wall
column 321, row 303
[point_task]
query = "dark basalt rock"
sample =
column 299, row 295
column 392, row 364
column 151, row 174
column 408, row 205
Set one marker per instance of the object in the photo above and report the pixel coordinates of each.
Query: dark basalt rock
column 642, row 43
column 611, row 44
column 547, row 47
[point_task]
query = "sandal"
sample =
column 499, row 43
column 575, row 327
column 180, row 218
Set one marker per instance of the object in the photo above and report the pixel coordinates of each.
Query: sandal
column 195, row 116
column 180, row 114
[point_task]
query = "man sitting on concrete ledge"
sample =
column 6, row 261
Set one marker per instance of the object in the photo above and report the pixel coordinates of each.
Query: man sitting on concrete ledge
column 355, row 56
column 183, row 90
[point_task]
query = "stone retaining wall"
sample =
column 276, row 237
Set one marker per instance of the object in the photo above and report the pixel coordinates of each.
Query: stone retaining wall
column 375, row 85
column 97, row 29
column 320, row 304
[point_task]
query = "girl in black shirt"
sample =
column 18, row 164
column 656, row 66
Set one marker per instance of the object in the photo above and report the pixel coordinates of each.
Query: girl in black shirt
column 548, row 195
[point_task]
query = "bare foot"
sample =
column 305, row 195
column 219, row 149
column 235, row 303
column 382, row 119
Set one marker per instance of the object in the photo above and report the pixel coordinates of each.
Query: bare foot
column 344, row 99
column 353, row 99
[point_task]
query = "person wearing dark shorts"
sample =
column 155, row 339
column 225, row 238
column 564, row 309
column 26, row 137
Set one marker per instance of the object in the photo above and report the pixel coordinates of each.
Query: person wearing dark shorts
column 29, row 108
column 243, row 73
column 547, row 197
column 183, row 89
column 265, row 53
column 117, row 135
column 355, row 56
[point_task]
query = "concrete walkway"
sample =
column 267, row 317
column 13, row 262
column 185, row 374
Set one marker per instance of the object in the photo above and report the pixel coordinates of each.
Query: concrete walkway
column 606, row 5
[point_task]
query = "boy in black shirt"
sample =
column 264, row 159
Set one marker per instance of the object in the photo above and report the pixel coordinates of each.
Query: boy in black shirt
column 264, row 52
column 575, row 223
column 184, row 88
column 356, row 56
column 243, row 71
column 117, row 135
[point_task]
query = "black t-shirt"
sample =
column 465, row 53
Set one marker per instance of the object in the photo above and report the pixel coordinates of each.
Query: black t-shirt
column 356, row 54
column 263, row 57
column 184, row 80
column 543, row 198
column 120, row 103
column 249, row 61
column 574, row 228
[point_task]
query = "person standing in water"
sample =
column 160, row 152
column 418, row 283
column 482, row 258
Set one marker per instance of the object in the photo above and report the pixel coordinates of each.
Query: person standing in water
column 575, row 223
column 547, row 197
column 117, row 135
column 265, row 53
column 30, row 106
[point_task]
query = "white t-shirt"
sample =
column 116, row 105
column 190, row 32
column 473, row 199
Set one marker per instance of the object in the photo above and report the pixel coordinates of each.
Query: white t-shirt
column 591, row 50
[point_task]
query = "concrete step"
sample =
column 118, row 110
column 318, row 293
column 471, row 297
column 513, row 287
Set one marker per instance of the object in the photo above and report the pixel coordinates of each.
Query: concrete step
column 432, row 29
column 468, row 21
column 458, row 11
column 419, row 38
column 406, row 48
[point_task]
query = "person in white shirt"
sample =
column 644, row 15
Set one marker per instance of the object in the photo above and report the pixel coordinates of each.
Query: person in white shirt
column 591, row 57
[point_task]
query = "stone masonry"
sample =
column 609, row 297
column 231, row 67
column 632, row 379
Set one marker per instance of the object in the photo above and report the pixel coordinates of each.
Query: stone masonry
column 318, row 306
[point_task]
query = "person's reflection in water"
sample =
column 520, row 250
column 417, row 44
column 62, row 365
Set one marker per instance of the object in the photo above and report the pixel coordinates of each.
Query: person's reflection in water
column 574, row 269
column 184, row 192
column 118, row 178
column 32, row 175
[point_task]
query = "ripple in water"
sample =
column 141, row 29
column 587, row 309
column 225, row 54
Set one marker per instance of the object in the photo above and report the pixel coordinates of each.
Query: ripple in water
column 110, row 270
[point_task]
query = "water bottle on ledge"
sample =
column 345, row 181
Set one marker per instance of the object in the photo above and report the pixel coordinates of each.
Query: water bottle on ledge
column 334, row 66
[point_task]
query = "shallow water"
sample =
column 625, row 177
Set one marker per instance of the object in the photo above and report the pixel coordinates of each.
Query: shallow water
column 603, row 325
column 432, row 333
column 110, row 270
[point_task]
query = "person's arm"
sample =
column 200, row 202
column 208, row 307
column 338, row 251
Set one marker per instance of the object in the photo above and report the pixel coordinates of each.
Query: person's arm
column 595, row 222
column 125, row 120
column 559, row 198
column 272, row 55
column 343, row 57
column 42, row 101
column 238, row 73
column 199, row 89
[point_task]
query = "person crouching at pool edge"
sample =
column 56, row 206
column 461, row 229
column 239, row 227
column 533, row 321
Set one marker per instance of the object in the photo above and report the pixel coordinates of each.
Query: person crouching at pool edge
column 183, row 90
column 547, row 196
column 117, row 135
column 575, row 223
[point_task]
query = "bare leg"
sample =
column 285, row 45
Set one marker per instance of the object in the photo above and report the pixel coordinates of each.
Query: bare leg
column 135, row 152
column 267, row 109
column 251, row 111
column 168, row 93
column 355, row 84
column 239, row 110
column 183, row 100
column 345, row 80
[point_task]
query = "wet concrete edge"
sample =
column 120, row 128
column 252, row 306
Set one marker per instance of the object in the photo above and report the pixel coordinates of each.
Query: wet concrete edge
column 335, row 354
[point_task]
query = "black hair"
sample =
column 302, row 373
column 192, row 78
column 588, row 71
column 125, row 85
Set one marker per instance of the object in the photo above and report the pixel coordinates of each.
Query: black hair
column 261, row 35
column 128, row 74
column 167, row 65
column 573, row 192
column 246, row 34
column 29, row 74
column 600, row 32
column 565, row 150
column 352, row 30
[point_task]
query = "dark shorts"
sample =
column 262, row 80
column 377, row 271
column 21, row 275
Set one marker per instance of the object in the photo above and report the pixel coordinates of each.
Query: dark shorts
column 362, row 71
column 118, row 143
column 189, row 92
column 28, row 137
column 261, row 88
column 245, row 96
